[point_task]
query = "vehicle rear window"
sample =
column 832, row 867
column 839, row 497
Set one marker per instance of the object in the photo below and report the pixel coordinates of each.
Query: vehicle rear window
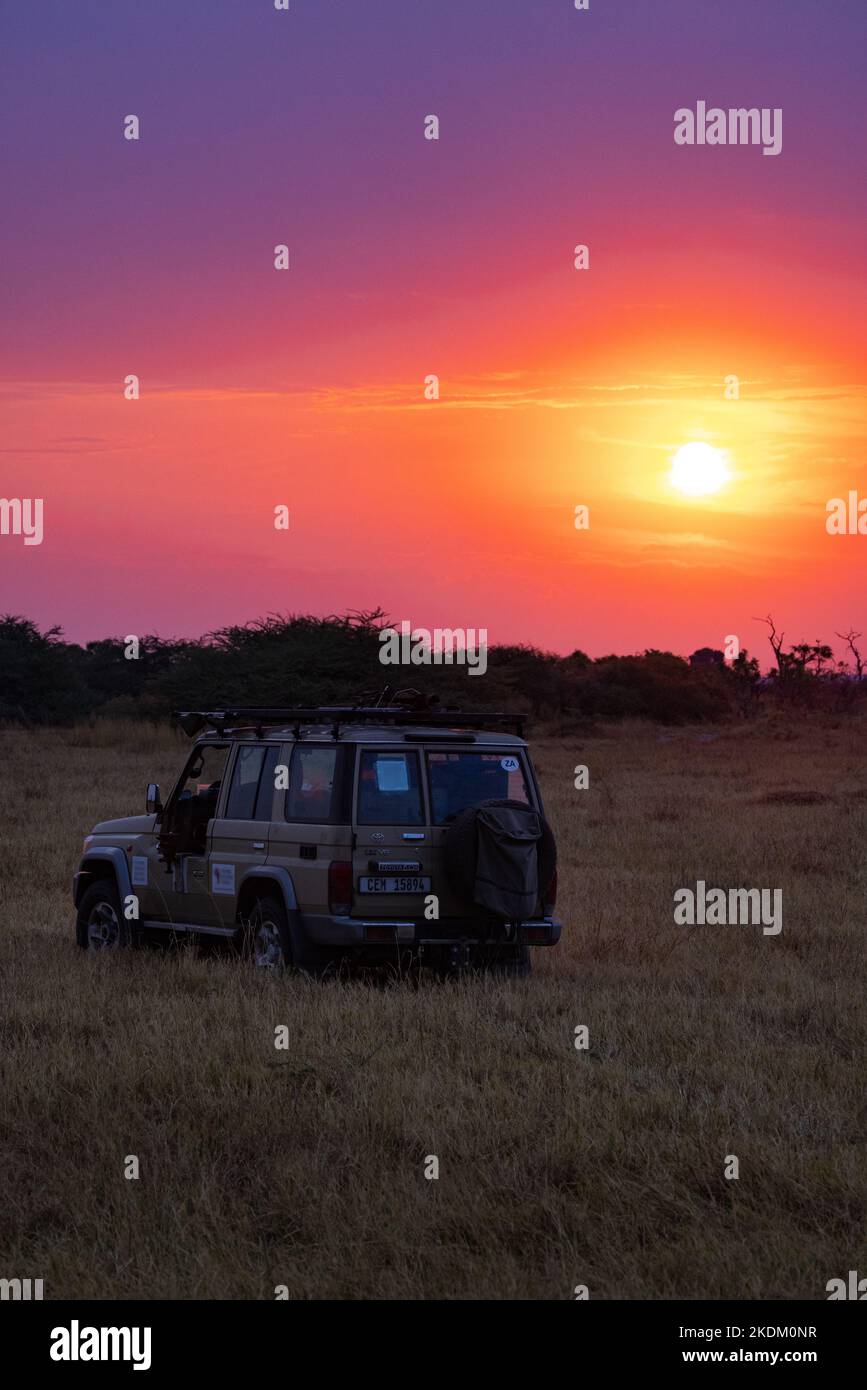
column 461, row 779
column 389, row 788
column 310, row 792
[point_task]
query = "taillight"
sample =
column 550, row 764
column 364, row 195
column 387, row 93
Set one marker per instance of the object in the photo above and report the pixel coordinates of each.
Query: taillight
column 551, row 894
column 340, row 886
column 536, row 936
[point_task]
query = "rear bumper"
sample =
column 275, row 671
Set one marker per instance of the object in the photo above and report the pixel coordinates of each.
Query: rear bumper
column 409, row 932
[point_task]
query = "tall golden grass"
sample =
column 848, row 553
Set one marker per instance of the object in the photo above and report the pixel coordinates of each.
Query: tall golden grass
column 558, row 1167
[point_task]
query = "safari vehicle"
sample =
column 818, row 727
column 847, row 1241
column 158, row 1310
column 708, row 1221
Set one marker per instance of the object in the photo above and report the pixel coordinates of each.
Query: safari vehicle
column 311, row 837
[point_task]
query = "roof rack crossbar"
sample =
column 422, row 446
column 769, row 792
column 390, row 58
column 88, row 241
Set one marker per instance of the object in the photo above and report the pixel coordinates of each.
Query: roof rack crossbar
column 257, row 717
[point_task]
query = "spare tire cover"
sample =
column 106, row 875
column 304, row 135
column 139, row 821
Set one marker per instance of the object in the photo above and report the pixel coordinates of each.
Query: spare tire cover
column 498, row 854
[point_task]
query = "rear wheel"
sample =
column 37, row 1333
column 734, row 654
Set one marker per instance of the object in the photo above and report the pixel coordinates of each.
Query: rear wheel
column 265, row 940
column 271, row 942
column 100, row 924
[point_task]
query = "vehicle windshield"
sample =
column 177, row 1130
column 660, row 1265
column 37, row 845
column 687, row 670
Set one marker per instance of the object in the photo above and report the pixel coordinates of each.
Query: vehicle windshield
column 459, row 780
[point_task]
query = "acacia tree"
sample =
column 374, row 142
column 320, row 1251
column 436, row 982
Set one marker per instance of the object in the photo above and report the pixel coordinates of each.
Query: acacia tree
column 783, row 659
column 803, row 654
column 850, row 638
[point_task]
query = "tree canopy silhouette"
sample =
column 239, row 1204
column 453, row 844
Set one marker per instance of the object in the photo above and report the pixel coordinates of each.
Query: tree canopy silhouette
column 303, row 659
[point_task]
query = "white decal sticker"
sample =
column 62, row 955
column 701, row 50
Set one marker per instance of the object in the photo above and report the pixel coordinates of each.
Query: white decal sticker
column 392, row 774
column 139, row 869
column 509, row 764
column 222, row 878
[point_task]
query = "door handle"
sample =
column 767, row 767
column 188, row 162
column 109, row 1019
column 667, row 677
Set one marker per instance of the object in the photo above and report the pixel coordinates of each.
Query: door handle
column 258, row 844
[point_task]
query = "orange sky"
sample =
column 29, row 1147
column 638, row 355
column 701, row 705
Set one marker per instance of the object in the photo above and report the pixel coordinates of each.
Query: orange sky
column 458, row 511
column 558, row 387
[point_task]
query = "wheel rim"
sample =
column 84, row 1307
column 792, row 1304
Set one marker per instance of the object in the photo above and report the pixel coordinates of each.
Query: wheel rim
column 267, row 947
column 103, row 928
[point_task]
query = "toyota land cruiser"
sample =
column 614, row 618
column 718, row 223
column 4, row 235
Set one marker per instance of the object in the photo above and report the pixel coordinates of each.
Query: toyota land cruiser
column 307, row 837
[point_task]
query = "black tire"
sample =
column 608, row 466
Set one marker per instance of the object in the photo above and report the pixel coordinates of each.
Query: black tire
column 272, row 942
column 100, row 924
column 264, row 935
column 460, row 850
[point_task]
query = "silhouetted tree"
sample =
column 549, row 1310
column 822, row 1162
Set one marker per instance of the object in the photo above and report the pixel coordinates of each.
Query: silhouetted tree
column 850, row 638
column 40, row 675
column 304, row 660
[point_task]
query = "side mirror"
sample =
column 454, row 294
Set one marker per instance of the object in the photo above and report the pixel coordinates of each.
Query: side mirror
column 153, row 803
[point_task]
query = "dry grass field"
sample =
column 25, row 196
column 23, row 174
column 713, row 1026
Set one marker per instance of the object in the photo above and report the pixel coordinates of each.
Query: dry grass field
column 557, row 1167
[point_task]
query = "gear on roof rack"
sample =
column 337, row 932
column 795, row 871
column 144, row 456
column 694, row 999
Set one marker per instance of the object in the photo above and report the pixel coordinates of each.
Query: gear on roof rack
column 423, row 711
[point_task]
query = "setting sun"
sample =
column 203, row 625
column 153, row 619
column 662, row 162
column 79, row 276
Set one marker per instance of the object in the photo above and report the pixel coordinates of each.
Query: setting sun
column 698, row 469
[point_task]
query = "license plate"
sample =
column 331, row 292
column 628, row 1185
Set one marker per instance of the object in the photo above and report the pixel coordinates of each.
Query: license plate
column 393, row 883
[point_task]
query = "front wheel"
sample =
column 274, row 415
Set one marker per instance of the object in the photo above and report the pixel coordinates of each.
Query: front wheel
column 100, row 924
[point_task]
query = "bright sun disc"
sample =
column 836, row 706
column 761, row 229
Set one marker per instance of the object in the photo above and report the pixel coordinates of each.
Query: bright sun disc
column 698, row 469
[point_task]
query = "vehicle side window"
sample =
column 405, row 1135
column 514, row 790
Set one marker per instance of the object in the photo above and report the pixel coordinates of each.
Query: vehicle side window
column 202, row 779
column 265, row 798
column 245, row 782
column 310, row 793
column 389, row 788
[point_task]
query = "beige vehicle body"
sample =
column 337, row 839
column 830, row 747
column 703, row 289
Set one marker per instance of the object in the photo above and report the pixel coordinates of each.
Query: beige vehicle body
column 341, row 825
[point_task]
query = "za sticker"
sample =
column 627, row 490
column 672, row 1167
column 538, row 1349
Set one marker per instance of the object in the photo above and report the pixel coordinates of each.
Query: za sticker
column 509, row 764
column 222, row 878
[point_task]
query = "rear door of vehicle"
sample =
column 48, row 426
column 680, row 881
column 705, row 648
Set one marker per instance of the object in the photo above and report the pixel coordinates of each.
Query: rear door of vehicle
column 239, row 838
column 311, row 826
column 392, row 857
column 459, row 775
